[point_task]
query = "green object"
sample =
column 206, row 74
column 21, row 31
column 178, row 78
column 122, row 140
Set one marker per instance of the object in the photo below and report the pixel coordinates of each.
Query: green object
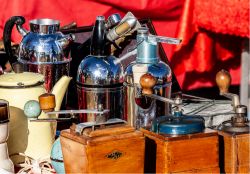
column 32, row 109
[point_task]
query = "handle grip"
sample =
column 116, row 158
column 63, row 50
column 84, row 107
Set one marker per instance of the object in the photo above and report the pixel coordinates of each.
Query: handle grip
column 147, row 82
column 18, row 20
column 223, row 80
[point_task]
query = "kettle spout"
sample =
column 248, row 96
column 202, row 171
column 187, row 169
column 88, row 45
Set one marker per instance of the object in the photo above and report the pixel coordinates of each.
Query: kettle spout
column 60, row 89
column 64, row 42
column 22, row 30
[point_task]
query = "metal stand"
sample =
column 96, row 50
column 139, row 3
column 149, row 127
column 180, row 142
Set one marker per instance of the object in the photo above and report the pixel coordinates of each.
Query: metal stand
column 245, row 76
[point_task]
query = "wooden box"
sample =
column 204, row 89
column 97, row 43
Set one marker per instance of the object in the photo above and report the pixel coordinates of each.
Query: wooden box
column 116, row 149
column 193, row 153
column 234, row 152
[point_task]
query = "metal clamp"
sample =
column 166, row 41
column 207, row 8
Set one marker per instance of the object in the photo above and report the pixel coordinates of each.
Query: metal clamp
column 82, row 126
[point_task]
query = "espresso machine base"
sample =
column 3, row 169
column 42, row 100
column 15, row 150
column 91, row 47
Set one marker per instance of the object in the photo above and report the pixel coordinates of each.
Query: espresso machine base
column 191, row 153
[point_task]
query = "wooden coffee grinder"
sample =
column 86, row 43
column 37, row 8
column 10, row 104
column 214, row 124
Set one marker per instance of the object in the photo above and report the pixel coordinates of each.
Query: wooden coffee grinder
column 102, row 146
column 178, row 143
column 234, row 134
column 110, row 147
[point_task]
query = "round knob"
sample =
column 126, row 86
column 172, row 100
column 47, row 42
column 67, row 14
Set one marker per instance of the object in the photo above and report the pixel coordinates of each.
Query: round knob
column 47, row 102
column 223, row 80
column 147, row 82
column 32, row 109
column 4, row 111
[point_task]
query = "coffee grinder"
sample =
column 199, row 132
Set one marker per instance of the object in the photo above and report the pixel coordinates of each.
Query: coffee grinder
column 101, row 146
column 5, row 162
column 177, row 143
column 234, row 133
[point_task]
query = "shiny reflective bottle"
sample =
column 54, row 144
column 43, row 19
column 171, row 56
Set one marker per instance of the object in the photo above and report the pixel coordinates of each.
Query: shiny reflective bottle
column 140, row 112
column 99, row 79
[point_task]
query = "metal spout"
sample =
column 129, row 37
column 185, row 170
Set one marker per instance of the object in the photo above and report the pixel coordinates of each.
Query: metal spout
column 65, row 41
column 22, row 30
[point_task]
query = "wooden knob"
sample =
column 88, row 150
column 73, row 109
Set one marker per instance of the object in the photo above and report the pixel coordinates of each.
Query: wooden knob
column 147, row 82
column 223, row 80
column 47, row 102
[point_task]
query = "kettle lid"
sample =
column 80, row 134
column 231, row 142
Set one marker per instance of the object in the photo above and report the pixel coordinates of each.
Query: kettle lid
column 24, row 79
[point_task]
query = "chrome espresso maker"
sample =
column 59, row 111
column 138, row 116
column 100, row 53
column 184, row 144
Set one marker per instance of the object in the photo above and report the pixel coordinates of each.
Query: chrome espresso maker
column 138, row 112
column 43, row 49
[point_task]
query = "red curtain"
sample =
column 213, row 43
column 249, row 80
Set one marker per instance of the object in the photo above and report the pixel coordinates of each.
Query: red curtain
column 195, row 62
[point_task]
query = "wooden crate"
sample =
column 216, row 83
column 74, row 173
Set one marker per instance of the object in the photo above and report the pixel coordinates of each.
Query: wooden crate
column 234, row 152
column 110, row 150
column 194, row 153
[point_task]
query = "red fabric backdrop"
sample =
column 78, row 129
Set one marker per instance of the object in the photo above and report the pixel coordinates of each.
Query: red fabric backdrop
column 165, row 14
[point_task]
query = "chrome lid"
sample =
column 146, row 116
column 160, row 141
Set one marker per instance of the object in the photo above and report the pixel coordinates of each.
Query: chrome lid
column 100, row 71
column 44, row 26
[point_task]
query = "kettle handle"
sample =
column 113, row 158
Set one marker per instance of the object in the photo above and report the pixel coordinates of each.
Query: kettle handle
column 18, row 20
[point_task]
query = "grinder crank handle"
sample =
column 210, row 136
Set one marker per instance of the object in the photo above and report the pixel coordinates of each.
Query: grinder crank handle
column 147, row 82
column 223, row 80
column 47, row 104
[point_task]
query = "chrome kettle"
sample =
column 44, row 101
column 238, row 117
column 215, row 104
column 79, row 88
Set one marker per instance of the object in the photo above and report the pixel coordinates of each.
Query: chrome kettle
column 43, row 49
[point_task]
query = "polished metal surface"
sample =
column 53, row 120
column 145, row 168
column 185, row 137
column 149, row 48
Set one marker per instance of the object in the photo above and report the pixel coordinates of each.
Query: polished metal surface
column 82, row 126
column 147, row 45
column 100, row 71
column 38, row 48
column 110, row 97
column 52, row 72
column 241, row 109
column 113, row 20
column 44, row 26
column 45, row 50
column 44, row 44
column 99, row 81
column 229, row 126
column 140, row 117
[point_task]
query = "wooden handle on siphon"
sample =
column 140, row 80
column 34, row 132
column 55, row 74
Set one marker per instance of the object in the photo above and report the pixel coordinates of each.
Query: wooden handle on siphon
column 47, row 102
column 223, row 80
column 147, row 82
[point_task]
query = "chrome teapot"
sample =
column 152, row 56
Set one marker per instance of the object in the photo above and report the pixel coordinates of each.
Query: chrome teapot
column 43, row 49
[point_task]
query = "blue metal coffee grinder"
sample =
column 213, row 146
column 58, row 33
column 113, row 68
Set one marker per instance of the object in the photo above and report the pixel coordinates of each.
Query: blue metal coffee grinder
column 176, row 124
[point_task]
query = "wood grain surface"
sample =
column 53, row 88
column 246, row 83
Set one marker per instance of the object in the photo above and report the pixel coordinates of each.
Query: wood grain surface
column 113, row 150
column 235, row 153
column 194, row 153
